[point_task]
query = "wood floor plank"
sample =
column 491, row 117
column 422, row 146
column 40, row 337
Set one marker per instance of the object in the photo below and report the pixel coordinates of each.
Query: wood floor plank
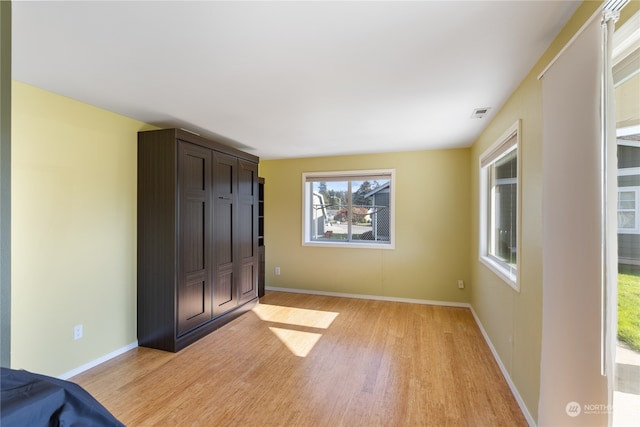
column 306, row 360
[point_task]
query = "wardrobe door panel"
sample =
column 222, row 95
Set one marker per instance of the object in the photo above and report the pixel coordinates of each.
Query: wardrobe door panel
column 247, row 244
column 193, row 235
column 194, row 272
column 247, row 283
column 193, row 302
column 224, row 229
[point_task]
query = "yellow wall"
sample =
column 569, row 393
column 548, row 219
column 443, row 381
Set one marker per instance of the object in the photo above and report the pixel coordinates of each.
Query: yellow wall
column 74, row 231
column 432, row 229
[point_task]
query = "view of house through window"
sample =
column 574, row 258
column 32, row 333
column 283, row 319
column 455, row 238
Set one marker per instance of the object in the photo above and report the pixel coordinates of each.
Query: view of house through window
column 348, row 208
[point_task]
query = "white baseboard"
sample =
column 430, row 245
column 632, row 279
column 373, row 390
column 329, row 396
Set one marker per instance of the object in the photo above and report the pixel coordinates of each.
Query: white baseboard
column 369, row 297
column 96, row 362
column 505, row 373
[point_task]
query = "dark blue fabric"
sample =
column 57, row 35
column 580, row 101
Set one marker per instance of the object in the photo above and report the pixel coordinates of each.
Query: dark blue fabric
column 30, row 399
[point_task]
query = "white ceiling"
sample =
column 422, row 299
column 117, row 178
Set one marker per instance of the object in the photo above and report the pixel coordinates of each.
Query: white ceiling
column 291, row 79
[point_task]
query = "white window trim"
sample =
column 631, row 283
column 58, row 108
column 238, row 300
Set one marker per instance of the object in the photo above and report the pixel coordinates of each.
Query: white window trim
column 636, row 230
column 494, row 152
column 306, row 241
column 628, row 172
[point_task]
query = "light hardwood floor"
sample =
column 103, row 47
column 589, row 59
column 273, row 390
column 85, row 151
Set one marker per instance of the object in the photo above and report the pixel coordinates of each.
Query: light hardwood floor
column 303, row 360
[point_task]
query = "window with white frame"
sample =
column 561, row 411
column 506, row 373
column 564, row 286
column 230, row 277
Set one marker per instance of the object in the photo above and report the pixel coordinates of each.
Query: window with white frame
column 352, row 209
column 628, row 212
column 499, row 206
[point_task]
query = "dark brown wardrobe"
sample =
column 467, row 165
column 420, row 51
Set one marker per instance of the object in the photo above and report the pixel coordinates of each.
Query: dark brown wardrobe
column 197, row 237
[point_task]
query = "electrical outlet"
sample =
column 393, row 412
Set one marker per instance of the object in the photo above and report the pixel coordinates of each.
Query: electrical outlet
column 461, row 284
column 77, row 332
column 277, row 271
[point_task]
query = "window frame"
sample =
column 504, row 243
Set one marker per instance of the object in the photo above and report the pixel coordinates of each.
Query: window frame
column 636, row 209
column 509, row 141
column 353, row 175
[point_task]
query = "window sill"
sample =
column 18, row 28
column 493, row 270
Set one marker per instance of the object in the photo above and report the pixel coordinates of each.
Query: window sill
column 350, row 245
column 509, row 277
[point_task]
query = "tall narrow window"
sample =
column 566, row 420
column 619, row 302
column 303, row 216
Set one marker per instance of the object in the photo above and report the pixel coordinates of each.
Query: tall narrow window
column 499, row 228
column 348, row 208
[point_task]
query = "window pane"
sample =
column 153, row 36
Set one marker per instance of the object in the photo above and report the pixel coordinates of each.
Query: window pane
column 627, row 195
column 370, row 210
column 626, row 200
column 627, row 220
column 504, row 189
column 329, row 200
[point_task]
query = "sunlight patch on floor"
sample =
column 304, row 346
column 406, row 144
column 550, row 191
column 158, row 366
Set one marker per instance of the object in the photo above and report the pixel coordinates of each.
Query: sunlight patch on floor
column 295, row 316
column 300, row 343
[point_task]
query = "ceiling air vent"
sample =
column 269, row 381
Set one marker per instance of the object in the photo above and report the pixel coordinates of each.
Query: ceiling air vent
column 479, row 113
